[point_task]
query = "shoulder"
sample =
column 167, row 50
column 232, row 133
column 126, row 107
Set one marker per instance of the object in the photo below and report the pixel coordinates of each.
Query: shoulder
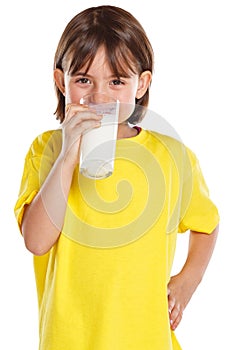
column 165, row 140
column 166, row 143
column 175, row 148
column 49, row 140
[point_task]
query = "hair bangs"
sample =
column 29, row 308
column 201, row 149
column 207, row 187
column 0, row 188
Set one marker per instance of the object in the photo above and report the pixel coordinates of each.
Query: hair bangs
column 82, row 53
column 121, row 60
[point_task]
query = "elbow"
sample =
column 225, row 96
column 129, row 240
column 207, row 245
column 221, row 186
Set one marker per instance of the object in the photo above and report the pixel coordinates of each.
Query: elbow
column 35, row 248
column 33, row 245
column 36, row 240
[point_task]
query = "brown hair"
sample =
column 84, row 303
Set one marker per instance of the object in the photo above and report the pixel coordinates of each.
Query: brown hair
column 124, row 39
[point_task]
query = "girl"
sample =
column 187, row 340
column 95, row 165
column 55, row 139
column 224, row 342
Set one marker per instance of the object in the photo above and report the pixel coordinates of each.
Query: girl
column 103, row 256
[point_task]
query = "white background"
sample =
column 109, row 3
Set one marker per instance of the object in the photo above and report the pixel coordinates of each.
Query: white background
column 192, row 89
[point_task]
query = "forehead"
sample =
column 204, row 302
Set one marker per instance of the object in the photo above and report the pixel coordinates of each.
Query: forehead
column 116, row 62
column 99, row 62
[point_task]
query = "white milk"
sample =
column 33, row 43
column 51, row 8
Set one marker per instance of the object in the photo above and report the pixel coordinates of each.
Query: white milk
column 98, row 145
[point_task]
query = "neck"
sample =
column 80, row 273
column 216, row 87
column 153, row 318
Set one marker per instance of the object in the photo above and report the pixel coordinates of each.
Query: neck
column 125, row 131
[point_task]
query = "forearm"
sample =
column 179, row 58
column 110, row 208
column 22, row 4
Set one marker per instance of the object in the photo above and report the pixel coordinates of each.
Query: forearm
column 201, row 247
column 43, row 218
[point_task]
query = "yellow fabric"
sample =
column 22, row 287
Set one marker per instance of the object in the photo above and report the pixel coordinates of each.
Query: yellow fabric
column 104, row 284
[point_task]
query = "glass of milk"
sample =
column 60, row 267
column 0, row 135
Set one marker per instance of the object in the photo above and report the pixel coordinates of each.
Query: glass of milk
column 97, row 148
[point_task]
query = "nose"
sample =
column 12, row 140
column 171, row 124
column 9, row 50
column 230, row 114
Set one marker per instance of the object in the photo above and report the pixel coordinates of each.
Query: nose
column 100, row 87
column 99, row 97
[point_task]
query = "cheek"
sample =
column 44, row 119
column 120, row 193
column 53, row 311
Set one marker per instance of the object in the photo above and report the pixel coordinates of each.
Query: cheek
column 128, row 95
column 127, row 105
column 72, row 95
column 125, row 111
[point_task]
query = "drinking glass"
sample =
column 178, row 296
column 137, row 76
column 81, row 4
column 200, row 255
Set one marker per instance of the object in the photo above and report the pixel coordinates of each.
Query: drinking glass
column 98, row 145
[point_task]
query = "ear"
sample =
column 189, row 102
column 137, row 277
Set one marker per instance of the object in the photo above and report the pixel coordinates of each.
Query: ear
column 59, row 80
column 143, row 83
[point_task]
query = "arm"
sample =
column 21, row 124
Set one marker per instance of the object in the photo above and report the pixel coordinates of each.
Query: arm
column 182, row 286
column 44, row 217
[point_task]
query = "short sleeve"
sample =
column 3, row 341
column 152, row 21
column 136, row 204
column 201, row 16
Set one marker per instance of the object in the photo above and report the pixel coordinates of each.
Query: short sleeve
column 199, row 212
column 38, row 163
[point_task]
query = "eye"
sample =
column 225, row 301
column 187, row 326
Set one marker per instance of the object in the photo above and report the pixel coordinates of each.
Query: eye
column 82, row 81
column 117, row 82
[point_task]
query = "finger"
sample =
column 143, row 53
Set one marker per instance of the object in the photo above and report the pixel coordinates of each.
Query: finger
column 171, row 303
column 88, row 125
column 77, row 130
column 175, row 316
column 72, row 136
column 81, row 116
column 72, row 109
column 175, row 322
column 75, row 107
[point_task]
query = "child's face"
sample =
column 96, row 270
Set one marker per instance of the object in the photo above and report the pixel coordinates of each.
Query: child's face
column 100, row 78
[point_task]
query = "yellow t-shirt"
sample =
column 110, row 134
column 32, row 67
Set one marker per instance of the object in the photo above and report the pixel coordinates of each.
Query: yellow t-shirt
column 103, row 285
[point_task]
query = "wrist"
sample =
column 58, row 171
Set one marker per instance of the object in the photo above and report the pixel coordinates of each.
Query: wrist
column 67, row 163
column 191, row 276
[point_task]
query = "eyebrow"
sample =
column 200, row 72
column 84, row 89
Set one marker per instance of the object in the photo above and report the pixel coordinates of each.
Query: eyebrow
column 83, row 74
